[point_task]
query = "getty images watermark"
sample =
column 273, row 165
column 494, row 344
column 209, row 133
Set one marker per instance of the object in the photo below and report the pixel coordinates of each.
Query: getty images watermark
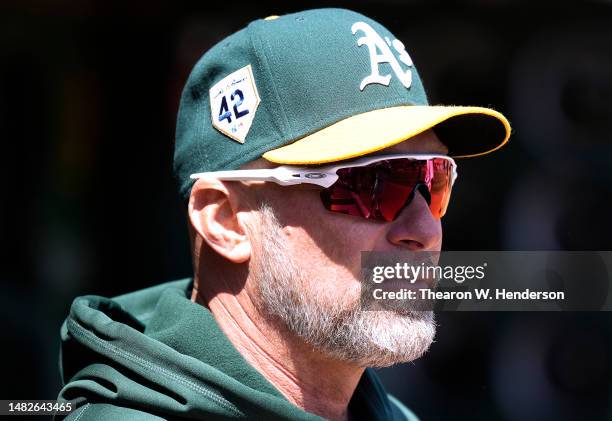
column 486, row 281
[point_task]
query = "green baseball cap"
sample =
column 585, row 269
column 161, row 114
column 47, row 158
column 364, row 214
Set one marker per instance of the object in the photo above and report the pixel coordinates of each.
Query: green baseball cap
column 314, row 87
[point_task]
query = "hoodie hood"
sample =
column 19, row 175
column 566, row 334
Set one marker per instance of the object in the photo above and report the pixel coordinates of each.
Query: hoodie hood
column 154, row 353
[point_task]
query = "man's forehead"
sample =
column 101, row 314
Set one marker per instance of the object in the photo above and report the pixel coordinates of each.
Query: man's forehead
column 426, row 143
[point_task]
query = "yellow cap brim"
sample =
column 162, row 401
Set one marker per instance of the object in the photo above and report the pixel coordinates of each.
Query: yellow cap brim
column 466, row 131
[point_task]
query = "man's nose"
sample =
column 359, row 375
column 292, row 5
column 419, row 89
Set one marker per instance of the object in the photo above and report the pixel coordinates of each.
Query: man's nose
column 415, row 228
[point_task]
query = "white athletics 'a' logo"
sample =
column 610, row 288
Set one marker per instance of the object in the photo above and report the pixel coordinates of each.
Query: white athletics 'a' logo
column 375, row 43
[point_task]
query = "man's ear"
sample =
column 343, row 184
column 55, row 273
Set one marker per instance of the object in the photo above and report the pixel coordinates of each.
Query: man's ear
column 213, row 213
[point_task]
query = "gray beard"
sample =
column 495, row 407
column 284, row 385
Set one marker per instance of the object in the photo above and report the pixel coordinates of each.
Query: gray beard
column 338, row 329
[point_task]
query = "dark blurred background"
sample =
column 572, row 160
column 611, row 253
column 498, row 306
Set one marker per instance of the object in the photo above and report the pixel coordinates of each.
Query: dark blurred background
column 89, row 92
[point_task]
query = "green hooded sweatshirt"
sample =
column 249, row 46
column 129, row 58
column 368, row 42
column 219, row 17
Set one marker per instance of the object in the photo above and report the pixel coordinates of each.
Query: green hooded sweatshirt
column 153, row 354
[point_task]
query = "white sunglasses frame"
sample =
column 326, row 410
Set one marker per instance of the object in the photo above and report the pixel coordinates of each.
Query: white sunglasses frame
column 324, row 176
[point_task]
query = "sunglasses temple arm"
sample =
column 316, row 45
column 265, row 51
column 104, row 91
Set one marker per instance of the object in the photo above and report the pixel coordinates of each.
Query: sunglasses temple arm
column 280, row 175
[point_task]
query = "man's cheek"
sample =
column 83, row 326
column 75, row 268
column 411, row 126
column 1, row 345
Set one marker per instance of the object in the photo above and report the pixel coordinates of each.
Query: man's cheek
column 352, row 233
column 347, row 240
column 298, row 208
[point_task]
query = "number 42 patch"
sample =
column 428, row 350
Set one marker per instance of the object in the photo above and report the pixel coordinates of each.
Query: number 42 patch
column 233, row 102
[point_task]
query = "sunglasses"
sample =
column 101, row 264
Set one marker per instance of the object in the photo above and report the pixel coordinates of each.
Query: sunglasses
column 376, row 187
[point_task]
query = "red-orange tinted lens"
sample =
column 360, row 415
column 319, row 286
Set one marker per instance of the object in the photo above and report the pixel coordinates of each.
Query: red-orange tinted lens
column 381, row 190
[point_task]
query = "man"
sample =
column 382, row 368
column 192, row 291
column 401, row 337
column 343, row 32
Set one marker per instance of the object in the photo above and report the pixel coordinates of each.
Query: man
column 270, row 326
